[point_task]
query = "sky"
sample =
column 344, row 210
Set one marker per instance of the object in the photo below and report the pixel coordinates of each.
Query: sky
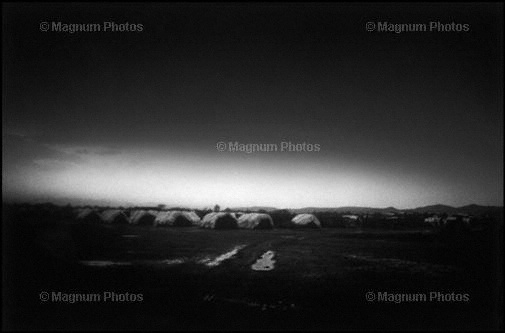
column 135, row 117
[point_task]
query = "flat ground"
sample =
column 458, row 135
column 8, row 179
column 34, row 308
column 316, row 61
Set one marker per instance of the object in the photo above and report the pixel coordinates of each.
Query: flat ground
column 319, row 281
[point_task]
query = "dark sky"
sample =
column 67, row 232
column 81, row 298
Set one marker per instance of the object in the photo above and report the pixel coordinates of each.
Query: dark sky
column 402, row 119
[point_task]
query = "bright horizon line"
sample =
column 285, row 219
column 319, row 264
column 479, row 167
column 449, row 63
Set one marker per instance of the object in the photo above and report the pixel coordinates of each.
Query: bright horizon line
column 83, row 202
column 180, row 178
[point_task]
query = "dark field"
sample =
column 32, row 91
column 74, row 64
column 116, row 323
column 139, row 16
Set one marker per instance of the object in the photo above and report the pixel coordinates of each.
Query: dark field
column 319, row 281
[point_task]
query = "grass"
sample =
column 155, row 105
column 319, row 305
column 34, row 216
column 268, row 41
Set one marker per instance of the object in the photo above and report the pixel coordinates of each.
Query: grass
column 319, row 281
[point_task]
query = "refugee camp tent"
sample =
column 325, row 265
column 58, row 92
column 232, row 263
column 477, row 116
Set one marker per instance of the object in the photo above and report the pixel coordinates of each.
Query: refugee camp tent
column 456, row 221
column 255, row 221
column 177, row 218
column 88, row 215
column 195, row 219
column 351, row 221
column 305, row 221
column 433, row 220
column 142, row 217
column 219, row 220
column 115, row 216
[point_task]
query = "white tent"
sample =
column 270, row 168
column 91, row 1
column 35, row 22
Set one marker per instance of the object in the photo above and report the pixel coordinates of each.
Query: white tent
column 88, row 215
column 305, row 220
column 219, row 220
column 115, row 216
column 83, row 212
column 351, row 221
column 142, row 217
column 255, row 221
column 195, row 219
column 457, row 220
column 351, row 217
column 177, row 219
column 433, row 220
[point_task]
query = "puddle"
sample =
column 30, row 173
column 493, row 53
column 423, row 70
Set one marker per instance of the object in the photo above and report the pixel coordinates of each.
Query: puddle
column 217, row 261
column 412, row 266
column 173, row 261
column 279, row 305
column 104, row 263
column 265, row 263
column 107, row 263
column 209, row 262
column 293, row 237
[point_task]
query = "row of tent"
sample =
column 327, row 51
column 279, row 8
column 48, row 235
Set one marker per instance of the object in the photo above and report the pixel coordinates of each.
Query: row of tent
column 215, row 220
column 457, row 219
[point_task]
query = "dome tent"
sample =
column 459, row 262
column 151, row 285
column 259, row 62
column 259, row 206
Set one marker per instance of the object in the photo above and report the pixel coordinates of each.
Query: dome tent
column 88, row 215
column 219, row 220
column 195, row 219
column 143, row 217
column 115, row 216
column 177, row 219
column 255, row 221
column 351, row 221
column 305, row 221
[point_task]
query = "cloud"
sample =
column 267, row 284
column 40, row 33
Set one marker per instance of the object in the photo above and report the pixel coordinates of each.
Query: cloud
column 25, row 152
column 85, row 150
column 21, row 151
column 53, row 164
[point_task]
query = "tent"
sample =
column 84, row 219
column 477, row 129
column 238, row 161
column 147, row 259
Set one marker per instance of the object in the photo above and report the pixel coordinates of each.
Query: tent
column 456, row 221
column 305, row 221
column 115, row 216
column 177, row 219
column 142, row 217
column 88, row 215
column 219, row 220
column 435, row 221
column 351, row 221
column 195, row 219
column 255, row 221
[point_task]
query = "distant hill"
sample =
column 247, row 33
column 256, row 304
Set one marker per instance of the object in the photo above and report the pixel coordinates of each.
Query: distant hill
column 472, row 209
column 351, row 209
column 434, row 209
column 253, row 208
column 468, row 209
